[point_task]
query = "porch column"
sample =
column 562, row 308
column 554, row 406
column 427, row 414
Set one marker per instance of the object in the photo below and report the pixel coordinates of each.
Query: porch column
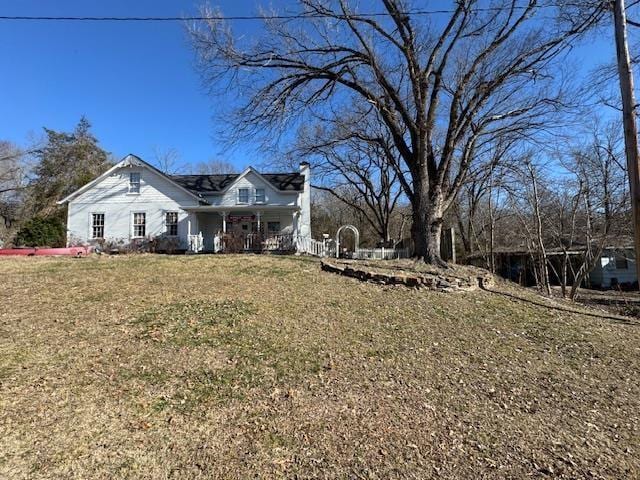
column 258, row 216
column 189, row 225
column 294, row 231
column 224, row 222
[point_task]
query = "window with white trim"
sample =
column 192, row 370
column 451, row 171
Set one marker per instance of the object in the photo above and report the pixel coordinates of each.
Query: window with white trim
column 243, row 195
column 260, row 195
column 97, row 225
column 171, row 222
column 273, row 227
column 134, row 182
column 139, row 224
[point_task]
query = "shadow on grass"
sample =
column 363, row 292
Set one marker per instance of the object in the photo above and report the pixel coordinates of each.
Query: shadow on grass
column 615, row 318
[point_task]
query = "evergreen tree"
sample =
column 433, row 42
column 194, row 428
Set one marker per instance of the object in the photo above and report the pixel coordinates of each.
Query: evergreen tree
column 65, row 163
column 42, row 232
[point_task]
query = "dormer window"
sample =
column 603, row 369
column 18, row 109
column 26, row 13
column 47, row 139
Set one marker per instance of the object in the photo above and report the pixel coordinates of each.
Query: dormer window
column 260, row 197
column 243, row 195
column 134, row 182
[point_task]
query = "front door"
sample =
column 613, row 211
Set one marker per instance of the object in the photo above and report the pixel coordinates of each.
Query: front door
column 245, row 227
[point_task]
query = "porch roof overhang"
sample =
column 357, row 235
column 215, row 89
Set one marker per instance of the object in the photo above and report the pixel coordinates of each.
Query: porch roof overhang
column 242, row 208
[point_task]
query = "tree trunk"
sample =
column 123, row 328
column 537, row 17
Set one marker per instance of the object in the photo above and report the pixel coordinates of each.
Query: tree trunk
column 386, row 234
column 563, row 282
column 463, row 236
column 575, row 287
column 544, row 268
column 401, row 231
column 433, row 243
column 419, row 233
column 625, row 75
column 426, row 229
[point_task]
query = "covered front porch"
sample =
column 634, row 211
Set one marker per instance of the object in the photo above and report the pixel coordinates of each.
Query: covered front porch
column 234, row 229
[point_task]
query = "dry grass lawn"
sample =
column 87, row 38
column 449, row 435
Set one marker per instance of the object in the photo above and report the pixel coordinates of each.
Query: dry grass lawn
column 263, row 366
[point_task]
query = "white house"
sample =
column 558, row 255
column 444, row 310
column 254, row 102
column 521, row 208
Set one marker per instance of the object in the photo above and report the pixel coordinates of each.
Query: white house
column 135, row 202
column 616, row 267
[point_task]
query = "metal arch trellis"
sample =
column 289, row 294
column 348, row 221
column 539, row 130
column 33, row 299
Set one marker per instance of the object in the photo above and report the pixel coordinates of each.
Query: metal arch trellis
column 340, row 230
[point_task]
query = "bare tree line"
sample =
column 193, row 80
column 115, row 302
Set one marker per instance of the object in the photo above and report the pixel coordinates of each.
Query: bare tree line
column 13, row 174
column 573, row 202
column 169, row 161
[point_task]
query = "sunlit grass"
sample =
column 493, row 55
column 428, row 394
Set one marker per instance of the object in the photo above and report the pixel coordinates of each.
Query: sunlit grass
column 240, row 366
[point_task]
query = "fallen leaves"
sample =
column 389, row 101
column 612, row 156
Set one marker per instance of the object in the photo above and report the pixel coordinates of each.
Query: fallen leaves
column 144, row 366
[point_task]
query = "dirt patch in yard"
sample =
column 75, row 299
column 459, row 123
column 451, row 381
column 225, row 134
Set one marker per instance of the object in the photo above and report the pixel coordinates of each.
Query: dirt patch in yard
column 198, row 367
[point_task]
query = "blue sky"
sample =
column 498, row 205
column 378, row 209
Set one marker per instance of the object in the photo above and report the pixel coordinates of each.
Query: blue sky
column 134, row 81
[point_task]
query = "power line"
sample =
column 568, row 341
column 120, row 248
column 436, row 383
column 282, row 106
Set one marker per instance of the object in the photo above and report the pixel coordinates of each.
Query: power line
column 243, row 17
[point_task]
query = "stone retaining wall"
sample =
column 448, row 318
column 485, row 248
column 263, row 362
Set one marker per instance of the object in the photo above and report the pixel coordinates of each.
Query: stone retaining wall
column 442, row 282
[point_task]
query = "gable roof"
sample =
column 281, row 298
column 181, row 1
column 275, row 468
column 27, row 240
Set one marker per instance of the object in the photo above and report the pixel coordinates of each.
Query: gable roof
column 213, row 184
column 128, row 161
column 200, row 185
column 205, row 184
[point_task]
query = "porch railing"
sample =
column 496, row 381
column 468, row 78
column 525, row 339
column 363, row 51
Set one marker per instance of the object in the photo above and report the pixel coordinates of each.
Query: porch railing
column 257, row 242
column 196, row 243
column 279, row 243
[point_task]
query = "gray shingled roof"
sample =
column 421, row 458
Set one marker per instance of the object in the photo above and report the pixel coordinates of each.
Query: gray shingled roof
column 211, row 184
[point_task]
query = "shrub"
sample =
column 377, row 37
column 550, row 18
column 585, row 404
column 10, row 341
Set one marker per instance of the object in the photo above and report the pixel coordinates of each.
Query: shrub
column 42, row 232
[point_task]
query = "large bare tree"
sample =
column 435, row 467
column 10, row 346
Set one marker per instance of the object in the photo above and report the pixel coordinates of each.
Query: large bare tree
column 442, row 86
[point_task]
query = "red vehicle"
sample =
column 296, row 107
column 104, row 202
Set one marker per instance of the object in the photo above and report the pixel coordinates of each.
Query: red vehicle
column 44, row 251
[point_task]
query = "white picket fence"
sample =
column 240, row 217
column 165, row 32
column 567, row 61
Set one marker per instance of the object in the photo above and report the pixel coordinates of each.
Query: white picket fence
column 313, row 247
column 327, row 249
column 381, row 253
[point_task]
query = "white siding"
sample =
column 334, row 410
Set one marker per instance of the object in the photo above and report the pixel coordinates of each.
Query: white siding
column 253, row 181
column 606, row 270
column 285, row 219
column 111, row 196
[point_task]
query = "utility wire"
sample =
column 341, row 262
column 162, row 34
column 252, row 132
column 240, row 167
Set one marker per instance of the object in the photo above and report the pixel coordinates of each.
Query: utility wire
column 244, row 17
